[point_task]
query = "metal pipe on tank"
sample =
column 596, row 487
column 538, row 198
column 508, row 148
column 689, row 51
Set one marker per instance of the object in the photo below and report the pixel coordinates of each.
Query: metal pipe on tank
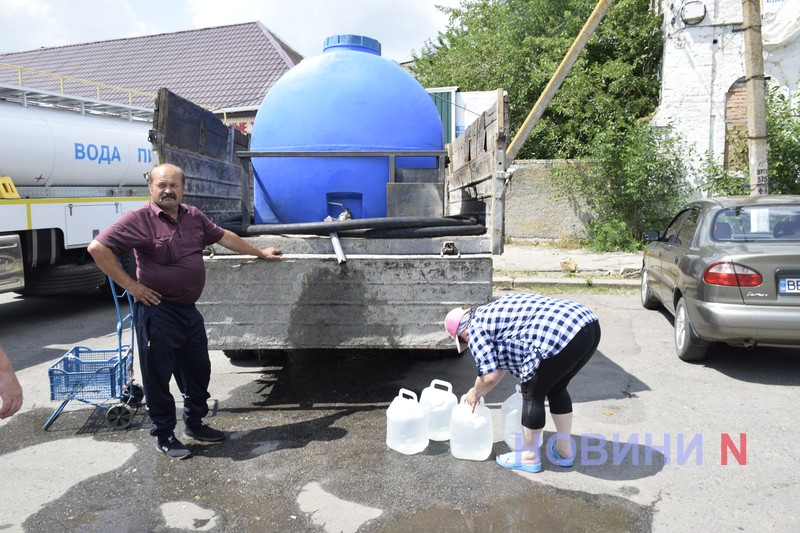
column 337, row 248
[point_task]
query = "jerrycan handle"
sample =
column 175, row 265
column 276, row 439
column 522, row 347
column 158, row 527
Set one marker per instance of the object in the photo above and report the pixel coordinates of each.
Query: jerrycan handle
column 408, row 393
column 447, row 386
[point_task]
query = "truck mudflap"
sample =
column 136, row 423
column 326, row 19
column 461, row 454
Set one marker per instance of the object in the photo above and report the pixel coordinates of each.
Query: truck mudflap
column 312, row 302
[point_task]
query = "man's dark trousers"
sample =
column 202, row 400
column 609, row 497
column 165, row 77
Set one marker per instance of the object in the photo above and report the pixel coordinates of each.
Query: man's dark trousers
column 172, row 341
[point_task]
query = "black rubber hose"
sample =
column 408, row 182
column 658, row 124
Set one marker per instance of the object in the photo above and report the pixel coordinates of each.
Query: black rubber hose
column 325, row 228
column 407, row 233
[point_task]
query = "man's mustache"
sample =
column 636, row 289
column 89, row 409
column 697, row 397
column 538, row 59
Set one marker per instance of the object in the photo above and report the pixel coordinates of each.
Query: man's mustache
column 165, row 196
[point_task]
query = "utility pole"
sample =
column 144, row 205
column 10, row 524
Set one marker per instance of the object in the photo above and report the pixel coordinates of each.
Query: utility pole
column 756, row 89
column 558, row 78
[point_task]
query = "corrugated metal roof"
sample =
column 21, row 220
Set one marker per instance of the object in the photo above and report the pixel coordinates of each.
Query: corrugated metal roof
column 222, row 67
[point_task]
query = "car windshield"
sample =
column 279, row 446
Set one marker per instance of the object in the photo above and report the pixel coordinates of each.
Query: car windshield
column 757, row 223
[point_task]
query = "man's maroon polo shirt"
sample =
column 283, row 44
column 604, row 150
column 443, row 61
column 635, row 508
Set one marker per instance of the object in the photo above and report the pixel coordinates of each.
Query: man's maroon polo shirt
column 169, row 254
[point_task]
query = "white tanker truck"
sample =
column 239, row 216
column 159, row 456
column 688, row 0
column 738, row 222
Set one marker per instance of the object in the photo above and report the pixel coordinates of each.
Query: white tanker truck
column 69, row 167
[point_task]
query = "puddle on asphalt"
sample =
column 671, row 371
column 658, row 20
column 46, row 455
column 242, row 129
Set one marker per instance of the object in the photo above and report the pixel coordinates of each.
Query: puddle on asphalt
column 545, row 509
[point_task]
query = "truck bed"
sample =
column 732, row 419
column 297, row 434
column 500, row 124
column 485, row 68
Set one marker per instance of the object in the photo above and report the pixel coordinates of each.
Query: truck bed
column 389, row 293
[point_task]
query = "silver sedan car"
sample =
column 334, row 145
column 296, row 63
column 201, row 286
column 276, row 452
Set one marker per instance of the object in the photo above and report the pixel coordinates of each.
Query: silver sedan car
column 728, row 270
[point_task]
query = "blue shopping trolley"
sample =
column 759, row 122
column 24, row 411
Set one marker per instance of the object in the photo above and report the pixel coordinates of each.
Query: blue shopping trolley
column 96, row 376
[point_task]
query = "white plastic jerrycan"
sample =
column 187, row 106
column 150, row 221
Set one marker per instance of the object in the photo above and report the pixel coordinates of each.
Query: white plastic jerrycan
column 511, row 416
column 406, row 424
column 471, row 434
column 439, row 401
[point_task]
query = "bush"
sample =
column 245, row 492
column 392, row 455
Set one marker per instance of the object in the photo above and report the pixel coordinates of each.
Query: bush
column 783, row 155
column 716, row 180
column 783, row 144
column 635, row 182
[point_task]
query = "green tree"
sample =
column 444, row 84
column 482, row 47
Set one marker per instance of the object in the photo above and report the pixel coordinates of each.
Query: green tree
column 783, row 144
column 518, row 44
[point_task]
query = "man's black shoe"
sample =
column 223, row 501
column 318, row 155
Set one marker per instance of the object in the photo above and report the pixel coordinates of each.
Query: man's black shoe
column 174, row 448
column 204, row 433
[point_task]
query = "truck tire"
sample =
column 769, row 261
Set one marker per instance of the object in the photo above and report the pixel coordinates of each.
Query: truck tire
column 63, row 279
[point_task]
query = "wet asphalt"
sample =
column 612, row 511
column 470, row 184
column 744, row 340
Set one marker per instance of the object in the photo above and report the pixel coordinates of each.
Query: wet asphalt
column 306, row 444
column 305, row 452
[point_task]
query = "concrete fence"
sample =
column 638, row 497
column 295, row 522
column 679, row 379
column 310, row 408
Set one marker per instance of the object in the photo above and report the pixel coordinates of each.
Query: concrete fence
column 534, row 211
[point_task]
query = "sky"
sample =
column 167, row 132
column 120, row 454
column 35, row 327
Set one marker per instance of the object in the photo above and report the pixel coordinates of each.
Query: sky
column 401, row 26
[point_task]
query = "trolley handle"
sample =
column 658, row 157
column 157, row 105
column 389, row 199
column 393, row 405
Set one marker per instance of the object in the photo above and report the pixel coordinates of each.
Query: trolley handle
column 121, row 321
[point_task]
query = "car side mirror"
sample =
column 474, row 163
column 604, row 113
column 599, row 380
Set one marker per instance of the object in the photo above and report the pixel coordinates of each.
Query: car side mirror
column 650, row 235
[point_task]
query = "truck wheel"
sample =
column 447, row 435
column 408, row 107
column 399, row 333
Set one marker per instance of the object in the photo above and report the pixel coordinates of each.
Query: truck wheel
column 63, row 279
column 689, row 346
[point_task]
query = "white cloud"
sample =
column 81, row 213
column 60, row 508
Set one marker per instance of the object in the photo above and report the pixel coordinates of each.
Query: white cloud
column 400, row 25
column 34, row 7
column 30, row 24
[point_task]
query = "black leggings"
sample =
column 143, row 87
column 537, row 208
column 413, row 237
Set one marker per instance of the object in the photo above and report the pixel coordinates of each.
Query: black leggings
column 553, row 376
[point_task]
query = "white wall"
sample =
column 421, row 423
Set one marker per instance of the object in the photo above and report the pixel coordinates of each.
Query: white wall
column 781, row 37
column 701, row 61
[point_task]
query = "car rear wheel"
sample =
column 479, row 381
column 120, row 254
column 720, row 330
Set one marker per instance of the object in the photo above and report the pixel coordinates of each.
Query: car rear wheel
column 689, row 346
column 649, row 301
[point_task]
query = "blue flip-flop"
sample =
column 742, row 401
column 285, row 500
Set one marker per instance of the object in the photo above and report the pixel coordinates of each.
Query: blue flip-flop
column 506, row 460
column 561, row 461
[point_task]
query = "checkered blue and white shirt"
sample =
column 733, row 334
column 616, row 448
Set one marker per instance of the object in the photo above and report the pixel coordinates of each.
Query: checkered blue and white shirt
column 517, row 332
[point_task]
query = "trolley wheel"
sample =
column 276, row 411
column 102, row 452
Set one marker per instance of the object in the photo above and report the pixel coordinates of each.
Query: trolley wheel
column 119, row 416
column 134, row 395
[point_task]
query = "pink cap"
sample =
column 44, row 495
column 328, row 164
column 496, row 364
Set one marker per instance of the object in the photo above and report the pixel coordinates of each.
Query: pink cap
column 451, row 323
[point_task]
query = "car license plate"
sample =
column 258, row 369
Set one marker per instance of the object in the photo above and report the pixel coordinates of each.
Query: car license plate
column 789, row 285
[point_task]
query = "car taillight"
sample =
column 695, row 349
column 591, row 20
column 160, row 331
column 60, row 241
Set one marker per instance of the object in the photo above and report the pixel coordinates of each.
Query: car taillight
column 732, row 275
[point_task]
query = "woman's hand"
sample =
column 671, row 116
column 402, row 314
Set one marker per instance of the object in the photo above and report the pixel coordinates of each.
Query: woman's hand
column 473, row 398
column 483, row 384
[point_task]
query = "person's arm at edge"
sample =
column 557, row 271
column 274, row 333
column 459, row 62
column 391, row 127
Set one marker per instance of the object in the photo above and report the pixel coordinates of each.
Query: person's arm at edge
column 233, row 242
column 10, row 389
column 106, row 260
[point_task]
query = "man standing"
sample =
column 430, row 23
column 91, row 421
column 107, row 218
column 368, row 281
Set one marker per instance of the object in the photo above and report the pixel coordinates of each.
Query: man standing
column 168, row 239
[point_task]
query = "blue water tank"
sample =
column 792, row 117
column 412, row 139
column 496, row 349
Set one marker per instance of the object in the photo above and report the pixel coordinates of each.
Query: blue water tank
column 347, row 98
